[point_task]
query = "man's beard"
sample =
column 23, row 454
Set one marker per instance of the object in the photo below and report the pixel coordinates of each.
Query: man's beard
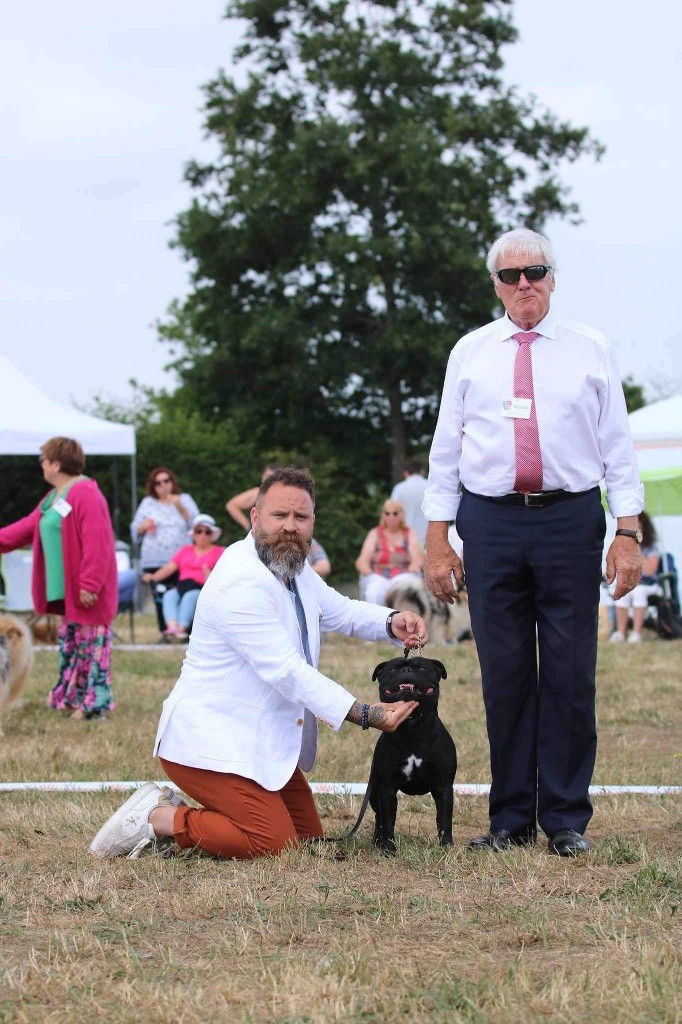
column 283, row 553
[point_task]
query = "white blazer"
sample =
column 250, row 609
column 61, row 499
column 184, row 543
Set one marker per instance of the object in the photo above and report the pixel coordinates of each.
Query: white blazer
column 246, row 700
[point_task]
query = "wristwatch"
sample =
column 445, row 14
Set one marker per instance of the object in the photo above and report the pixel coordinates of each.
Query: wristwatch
column 389, row 627
column 635, row 534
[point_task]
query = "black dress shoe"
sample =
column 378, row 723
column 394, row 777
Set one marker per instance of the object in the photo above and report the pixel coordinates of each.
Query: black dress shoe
column 502, row 839
column 568, row 843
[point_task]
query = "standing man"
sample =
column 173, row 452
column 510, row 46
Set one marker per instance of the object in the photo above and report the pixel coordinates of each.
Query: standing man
column 410, row 493
column 239, row 728
column 239, row 507
column 532, row 417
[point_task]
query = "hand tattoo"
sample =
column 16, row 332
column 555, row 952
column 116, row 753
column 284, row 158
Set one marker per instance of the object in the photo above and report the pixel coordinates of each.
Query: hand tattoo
column 377, row 717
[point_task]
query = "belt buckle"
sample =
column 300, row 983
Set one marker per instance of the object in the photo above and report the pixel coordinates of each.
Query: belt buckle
column 529, row 503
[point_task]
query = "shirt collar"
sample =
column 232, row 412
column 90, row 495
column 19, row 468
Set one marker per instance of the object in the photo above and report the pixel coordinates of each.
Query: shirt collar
column 546, row 327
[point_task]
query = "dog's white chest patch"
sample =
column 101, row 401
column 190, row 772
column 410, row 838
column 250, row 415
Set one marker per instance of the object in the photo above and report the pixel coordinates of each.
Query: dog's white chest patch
column 410, row 765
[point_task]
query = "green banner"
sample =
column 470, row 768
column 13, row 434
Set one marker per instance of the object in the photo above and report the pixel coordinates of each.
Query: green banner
column 662, row 491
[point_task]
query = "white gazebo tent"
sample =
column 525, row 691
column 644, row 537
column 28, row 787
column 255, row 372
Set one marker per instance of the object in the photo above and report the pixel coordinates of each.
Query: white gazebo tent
column 28, row 418
column 657, row 434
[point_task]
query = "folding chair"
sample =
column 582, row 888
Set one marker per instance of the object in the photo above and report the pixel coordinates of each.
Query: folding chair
column 668, row 580
column 17, row 568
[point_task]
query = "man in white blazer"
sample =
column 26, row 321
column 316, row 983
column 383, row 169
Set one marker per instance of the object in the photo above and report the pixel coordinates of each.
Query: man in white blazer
column 239, row 727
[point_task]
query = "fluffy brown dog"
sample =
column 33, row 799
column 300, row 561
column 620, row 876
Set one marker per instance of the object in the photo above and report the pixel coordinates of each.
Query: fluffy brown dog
column 16, row 658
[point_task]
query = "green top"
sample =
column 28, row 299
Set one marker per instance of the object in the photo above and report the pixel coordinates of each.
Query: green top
column 51, row 540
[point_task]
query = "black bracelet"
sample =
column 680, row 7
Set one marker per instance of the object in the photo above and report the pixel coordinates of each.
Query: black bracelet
column 389, row 628
column 364, row 716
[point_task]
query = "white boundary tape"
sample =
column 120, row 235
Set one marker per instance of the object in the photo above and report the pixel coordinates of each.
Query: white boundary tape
column 328, row 788
column 120, row 647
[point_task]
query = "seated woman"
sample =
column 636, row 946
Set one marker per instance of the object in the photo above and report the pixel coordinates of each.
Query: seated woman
column 391, row 554
column 193, row 563
column 637, row 601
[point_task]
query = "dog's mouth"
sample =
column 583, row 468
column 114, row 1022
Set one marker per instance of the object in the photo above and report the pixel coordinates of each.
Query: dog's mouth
column 410, row 691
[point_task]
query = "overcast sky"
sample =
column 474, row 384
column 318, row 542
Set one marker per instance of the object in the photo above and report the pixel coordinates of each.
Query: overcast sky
column 100, row 110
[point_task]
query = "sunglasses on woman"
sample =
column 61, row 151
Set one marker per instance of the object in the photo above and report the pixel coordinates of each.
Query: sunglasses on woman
column 201, row 529
column 513, row 274
column 162, row 480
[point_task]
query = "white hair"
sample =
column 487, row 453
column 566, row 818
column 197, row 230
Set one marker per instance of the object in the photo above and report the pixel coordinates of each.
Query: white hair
column 521, row 242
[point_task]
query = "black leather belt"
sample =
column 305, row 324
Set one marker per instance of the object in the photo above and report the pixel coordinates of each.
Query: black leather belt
column 537, row 499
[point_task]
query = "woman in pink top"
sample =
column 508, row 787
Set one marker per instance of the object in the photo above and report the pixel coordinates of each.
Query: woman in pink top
column 74, row 575
column 193, row 564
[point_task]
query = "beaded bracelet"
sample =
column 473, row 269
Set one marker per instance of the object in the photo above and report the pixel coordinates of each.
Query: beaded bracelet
column 364, row 717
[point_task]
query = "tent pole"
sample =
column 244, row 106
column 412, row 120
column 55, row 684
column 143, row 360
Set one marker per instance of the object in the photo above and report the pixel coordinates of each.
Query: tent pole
column 133, row 485
column 116, row 496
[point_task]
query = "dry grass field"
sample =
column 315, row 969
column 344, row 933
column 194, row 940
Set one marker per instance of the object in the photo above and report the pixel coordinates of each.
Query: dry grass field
column 327, row 935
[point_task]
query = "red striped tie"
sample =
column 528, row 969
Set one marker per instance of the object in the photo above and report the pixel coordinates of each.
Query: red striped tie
column 526, row 436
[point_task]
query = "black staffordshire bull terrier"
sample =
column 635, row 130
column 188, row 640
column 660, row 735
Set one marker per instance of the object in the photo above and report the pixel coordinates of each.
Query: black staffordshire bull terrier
column 419, row 757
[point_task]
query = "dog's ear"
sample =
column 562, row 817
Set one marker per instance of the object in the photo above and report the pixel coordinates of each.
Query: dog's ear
column 13, row 631
column 441, row 666
column 377, row 670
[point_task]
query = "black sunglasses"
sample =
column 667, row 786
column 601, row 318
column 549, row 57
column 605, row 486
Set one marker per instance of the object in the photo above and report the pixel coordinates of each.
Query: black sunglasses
column 202, row 529
column 162, row 480
column 513, row 275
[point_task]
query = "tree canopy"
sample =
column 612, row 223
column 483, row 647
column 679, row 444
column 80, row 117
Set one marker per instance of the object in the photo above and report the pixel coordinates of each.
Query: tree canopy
column 368, row 153
column 634, row 394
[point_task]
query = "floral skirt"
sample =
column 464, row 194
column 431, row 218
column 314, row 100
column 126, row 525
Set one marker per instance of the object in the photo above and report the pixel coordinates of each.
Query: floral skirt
column 84, row 670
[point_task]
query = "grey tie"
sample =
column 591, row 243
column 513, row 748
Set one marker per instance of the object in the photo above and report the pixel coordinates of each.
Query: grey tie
column 300, row 614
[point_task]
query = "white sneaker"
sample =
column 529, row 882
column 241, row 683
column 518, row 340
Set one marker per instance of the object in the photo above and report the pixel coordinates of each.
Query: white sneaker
column 128, row 832
column 635, row 638
column 616, row 638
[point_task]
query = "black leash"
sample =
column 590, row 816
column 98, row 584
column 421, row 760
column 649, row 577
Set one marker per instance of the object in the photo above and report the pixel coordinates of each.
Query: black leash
column 363, row 808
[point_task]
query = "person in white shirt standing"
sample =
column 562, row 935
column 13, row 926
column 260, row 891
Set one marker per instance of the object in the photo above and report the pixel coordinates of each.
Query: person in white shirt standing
column 410, row 493
column 532, row 417
column 239, row 728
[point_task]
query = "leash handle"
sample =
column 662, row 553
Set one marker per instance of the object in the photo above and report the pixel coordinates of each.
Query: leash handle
column 416, row 650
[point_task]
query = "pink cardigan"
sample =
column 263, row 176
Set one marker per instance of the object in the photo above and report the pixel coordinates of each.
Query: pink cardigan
column 88, row 551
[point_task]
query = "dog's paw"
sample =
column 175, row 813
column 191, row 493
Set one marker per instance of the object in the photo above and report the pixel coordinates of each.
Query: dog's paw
column 386, row 846
column 446, row 841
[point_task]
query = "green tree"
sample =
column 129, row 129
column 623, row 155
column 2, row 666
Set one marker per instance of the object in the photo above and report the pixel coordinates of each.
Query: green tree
column 634, row 394
column 212, row 462
column 337, row 240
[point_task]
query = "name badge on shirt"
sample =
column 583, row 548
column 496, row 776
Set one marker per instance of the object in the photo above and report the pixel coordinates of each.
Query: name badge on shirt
column 517, row 408
column 62, row 507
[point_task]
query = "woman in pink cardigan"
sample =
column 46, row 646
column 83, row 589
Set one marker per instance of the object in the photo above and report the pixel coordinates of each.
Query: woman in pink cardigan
column 74, row 575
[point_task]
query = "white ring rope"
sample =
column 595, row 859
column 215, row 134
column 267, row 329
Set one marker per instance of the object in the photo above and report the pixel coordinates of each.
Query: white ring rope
column 326, row 788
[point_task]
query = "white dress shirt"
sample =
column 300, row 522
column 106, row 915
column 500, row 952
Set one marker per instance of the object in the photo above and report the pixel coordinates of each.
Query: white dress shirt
column 246, row 700
column 580, row 408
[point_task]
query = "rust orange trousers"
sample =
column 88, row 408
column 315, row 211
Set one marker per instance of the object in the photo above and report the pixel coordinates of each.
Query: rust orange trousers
column 238, row 818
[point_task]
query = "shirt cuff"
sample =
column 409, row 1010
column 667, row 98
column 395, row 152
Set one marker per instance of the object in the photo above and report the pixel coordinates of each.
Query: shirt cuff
column 627, row 502
column 440, row 508
column 338, row 715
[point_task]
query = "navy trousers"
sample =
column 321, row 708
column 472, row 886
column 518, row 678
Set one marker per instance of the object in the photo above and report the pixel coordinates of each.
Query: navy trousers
column 533, row 577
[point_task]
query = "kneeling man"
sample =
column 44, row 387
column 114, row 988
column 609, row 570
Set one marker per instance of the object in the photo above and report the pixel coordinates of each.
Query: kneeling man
column 239, row 727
